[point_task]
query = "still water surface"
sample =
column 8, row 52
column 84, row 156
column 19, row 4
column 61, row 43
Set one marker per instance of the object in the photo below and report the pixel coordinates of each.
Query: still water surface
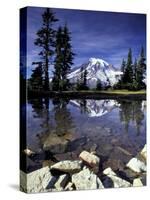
column 114, row 129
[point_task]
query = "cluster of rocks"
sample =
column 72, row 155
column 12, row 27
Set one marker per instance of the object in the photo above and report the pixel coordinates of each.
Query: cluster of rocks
column 81, row 174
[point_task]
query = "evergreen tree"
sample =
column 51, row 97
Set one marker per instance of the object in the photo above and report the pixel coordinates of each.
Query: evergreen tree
column 45, row 40
column 36, row 80
column 81, row 75
column 58, row 62
column 68, row 56
column 141, row 69
column 135, row 85
column 85, row 80
column 82, row 81
column 128, row 72
column 133, row 74
column 123, row 65
column 135, row 70
column 63, row 59
column 98, row 85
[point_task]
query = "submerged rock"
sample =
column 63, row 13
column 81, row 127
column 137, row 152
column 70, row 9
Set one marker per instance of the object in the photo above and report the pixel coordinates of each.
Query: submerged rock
column 90, row 159
column 130, row 174
column 67, row 166
column 36, row 181
column 93, row 148
column 62, row 181
column 115, row 164
column 137, row 182
column 144, row 152
column 47, row 163
column 55, row 144
column 112, row 180
column 124, row 151
column 136, row 165
column 86, row 180
column 28, row 152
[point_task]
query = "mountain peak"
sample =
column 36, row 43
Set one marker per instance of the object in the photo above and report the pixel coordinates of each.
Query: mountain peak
column 94, row 61
column 97, row 69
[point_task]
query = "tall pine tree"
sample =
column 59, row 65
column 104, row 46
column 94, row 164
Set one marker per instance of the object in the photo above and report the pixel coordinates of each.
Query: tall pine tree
column 68, row 56
column 123, row 65
column 85, row 79
column 99, row 85
column 58, row 62
column 36, row 80
column 63, row 59
column 141, row 69
column 135, row 70
column 45, row 40
column 82, row 81
column 128, row 72
column 135, row 85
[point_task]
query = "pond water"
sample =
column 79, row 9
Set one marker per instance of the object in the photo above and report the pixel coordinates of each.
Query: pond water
column 114, row 129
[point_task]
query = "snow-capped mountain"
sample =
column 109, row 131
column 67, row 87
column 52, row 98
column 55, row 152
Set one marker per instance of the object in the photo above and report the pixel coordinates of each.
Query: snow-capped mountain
column 97, row 69
column 96, row 108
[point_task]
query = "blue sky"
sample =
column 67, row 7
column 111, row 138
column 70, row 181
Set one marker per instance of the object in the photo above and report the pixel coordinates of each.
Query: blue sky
column 105, row 35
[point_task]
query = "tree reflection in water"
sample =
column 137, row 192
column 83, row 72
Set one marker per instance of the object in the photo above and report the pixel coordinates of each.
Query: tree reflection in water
column 83, row 106
column 56, row 121
column 131, row 111
column 62, row 116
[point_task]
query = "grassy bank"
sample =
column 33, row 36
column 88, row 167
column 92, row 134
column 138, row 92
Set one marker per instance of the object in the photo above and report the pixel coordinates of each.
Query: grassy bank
column 109, row 92
column 124, row 92
column 93, row 94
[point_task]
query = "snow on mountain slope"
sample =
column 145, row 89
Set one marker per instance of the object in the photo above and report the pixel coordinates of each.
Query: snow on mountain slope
column 96, row 108
column 97, row 69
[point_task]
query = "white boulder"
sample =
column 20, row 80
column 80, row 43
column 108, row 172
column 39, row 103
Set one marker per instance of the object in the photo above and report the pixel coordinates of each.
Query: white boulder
column 144, row 152
column 36, row 181
column 86, row 180
column 68, row 166
column 90, row 159
column 117, row 181
column 136, row 165
column 137, row 182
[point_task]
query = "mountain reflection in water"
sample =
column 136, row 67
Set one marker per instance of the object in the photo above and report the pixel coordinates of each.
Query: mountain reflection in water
column 95, row 108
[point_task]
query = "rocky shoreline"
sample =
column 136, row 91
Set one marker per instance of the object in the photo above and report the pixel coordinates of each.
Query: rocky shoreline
column 83, row 174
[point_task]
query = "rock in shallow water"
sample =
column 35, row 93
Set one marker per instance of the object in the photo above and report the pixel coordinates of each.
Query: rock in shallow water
column 112, row 180
column 90, row 159
column 28, row 152
column 86, row 180
column 136, row 165
column 55, row 144
column 67, row 166
column 115, row 164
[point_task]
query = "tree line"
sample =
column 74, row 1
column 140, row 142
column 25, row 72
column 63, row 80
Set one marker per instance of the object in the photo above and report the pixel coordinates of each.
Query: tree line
column 55, row 49
column 133, row 73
